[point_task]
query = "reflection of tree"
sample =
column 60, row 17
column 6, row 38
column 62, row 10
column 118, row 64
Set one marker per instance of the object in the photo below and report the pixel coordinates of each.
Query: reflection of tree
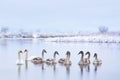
column 3, row 42
column 4, row 29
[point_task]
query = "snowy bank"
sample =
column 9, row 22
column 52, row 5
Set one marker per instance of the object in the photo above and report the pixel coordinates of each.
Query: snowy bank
column 100, row 38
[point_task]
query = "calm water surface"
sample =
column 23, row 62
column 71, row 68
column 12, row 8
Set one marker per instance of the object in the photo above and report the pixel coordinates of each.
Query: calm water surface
column 108, row 52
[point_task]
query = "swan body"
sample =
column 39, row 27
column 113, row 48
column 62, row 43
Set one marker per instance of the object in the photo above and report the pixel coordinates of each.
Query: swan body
column 97, row 61
column 67, row 60
column 19, row 61
column 52, row 61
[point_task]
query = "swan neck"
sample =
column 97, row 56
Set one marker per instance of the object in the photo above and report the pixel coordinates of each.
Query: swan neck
column 26, row 57
column 19, row 56
column 88, row 56
column 54, row 56
column 42, row 55
column 68, row 57
column 82, row 57
column 96, row 57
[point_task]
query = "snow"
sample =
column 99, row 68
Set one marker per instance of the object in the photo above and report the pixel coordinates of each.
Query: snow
column 100, row 38
column 109, row 37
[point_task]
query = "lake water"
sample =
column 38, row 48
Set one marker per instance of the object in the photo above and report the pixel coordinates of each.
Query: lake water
column 109, row 53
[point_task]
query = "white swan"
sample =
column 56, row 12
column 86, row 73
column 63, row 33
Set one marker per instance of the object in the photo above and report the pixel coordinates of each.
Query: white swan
column 19, row 61
column 35, row 59
column 52, row 61
column 26, row 56
column 97, row 61
column 67, row 60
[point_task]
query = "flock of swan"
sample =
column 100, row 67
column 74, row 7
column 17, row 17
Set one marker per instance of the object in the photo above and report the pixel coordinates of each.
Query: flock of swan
column 64, row 61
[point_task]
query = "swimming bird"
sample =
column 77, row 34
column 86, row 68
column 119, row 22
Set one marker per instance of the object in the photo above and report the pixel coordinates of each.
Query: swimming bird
column 39, row 59
column 82, row 58
column 19, row 61
column 67, row 60
column 97, row 61
column 52, row 61
column 26, row 56
column 35, row 59
column 87, row 60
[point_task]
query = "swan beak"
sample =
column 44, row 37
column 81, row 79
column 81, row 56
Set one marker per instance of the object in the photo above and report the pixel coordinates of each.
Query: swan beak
column 79, row 53
column 45, row 51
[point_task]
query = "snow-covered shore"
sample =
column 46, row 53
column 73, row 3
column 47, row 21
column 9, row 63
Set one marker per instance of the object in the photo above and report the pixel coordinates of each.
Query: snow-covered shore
column 111, row 37
column 99, row 38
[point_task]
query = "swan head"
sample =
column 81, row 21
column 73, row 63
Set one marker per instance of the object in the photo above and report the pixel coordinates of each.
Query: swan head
column 44, row 51
column 87, row 53
column 95, row 55
column 56, row 52
column 68, row 53
column 25, row 51
column 81, row 52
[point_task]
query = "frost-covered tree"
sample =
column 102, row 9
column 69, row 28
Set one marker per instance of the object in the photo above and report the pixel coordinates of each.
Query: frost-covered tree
column 4, row 29
column 103, row 29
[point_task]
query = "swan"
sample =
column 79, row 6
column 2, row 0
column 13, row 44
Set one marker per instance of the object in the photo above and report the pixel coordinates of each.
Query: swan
column 39, row 59
column 81, row 59
column 67, row 60
column 87, row 60
column 35, row 59
column 52, row 61
column 26, row 56
column 19, row 61
column 97, row 61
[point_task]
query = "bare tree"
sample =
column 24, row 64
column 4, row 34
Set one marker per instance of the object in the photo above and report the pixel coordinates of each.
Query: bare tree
column 103, row 29
column 4, row 29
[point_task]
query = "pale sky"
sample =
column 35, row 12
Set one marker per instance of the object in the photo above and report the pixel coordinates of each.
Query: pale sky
column 60, row 15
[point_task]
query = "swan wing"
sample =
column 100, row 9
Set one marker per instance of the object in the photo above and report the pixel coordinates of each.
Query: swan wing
column 19, row 62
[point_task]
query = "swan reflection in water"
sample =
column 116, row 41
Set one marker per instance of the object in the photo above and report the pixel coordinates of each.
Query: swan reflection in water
column 19, row 70
column 82, row 66
column 96, row 66
column 68, row 71
column 41, row 65
column 26, row 64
